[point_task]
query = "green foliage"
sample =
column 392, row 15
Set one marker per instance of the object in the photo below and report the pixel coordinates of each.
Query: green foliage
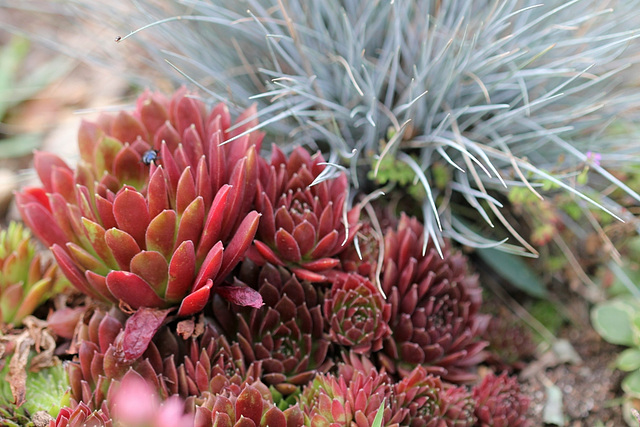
column 46, row 391
column 377, row 421
column 618, row 322
column 391, row 170
column 546, row 312
column 614, row 321
column 281, row 401
column 515, row 270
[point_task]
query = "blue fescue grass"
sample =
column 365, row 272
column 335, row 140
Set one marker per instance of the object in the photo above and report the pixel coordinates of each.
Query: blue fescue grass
column 505, row 92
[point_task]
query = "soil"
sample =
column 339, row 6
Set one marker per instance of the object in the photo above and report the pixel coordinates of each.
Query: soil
column 589, row 389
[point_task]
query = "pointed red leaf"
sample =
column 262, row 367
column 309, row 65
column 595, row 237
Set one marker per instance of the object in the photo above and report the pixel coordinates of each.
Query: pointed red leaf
column 161, row 233
column 157, row 193
column 152, row 267
column 153, row 112
column 239, row 244
column 203, row 182
column 249, row 404
column 122, row 245
column 133, row 290
column 44, row 163
column 236, row 197
column 186, row 190
column 85, row 260
column 187, row 112
column 127, row 128
column 321, row 264
column 131, row 213
column 326, row 246
column 83, row 203
column 182, row 269
column 169, row 135
column 211, row 231
column 195, row 301
column 275, row 417
column 221, row 419
column 96, row 235
column 267, row 253
column 181, row 158
column 105, row 212
column 105, row 154
column 192, row 144
column 219, row 116
column 191, row 222
column 63, row 182
column 216, row 160
column 33, row 195
column 61, row 213
column 327, row 222
column 210, row 267
column 88, row 135
column 99, row 284
column 309, row 276
column 41, row 222
column 287, row 246
column 305, row 235
column 71, row 272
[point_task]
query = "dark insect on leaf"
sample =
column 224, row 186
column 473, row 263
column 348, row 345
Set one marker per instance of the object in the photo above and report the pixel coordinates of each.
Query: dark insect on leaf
column 149, row 156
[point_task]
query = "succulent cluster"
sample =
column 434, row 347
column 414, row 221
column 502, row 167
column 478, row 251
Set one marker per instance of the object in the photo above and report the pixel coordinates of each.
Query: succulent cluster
column 26, row 280
column 226, row 289
column 499, row 402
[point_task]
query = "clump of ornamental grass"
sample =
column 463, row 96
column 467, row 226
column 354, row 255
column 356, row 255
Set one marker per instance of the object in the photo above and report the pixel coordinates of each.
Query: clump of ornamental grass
column 465, row 98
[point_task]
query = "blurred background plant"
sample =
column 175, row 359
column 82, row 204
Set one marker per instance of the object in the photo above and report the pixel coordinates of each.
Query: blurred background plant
column 17, row 88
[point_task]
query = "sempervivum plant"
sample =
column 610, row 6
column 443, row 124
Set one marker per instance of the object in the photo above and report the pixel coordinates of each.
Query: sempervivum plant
column 434, row 306
column 245, row 405
column 356, row 313
column 304, row 223
column 132, row 402
column 511, row 343
column 500, row 403
column 351, row 398
column 26, row 281
column 431, row 403
column 82, row 416
column 99, row 362
column 286, row 334
column 171, row 364
column 174, row 236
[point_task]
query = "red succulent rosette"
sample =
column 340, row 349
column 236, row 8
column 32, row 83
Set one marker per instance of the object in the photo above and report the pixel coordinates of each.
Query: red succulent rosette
column 304, row 224
column 245, row 405
column 108, row 348
column 286, row 334
column 160, row 235
column 82, row 416
column 500, row 403
column 356, row 313
column 435, row 304
column 352, row 397
column 131, row 402
column 429, row 402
